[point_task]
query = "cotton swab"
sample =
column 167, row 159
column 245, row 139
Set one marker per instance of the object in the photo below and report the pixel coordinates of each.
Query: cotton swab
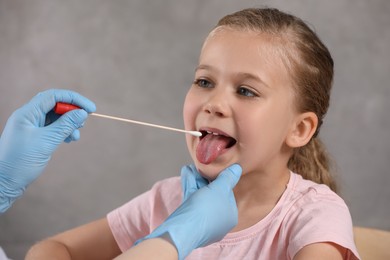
column 62, row 108
column 194, row 133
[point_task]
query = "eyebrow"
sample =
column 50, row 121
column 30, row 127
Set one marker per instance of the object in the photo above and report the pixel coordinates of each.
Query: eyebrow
column 252, row 77
column 203, row 67
column 239, row 74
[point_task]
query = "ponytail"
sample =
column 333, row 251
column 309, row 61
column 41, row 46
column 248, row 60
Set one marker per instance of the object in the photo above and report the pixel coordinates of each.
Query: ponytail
column 313, row 163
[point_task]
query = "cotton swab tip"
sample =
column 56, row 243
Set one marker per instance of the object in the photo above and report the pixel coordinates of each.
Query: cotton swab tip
column 195, row 133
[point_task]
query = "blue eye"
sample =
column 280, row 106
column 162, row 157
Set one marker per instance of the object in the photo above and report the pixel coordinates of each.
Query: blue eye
column 203, row 83
column 246, row 92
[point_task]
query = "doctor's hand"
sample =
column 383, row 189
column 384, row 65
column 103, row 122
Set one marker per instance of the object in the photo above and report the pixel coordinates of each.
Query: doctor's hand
column 207, row 214
column 32, row 134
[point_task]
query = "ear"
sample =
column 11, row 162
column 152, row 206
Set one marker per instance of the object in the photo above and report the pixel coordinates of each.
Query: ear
column 302, row 129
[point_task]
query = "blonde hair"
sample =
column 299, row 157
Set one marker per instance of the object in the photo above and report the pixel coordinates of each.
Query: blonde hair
column 311, row 68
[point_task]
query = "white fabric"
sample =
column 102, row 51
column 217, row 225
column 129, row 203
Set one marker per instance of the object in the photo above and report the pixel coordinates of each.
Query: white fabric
column 2, row 255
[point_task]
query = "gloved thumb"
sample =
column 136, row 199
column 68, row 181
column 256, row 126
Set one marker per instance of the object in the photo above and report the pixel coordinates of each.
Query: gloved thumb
column 191, row 180
column 228, row 178
column 69, row 122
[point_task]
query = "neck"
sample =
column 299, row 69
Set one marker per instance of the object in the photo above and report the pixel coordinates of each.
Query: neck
column 257, row 193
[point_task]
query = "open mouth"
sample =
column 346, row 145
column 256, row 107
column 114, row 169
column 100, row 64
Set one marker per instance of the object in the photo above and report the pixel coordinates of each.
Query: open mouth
column 230, row 141
column 212, row 144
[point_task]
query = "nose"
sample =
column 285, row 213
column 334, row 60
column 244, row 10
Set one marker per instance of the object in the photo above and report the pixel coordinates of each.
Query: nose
column 217, row 105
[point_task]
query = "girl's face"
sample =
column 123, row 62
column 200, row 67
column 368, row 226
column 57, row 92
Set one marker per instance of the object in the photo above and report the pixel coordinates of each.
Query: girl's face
column 242, row 102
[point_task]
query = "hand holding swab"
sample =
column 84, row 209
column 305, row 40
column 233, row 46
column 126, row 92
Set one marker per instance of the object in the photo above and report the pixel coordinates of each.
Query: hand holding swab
column 62, row 108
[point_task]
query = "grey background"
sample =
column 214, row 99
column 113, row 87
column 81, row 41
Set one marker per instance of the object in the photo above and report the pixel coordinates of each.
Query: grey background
column 136, row 59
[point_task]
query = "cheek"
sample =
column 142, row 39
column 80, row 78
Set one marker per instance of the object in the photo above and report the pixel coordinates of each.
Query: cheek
column 262, row 138
column 189, row 111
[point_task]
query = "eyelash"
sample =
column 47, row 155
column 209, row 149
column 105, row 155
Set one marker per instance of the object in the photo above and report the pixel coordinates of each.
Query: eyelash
column 243, row 91
column 199, row 82
column 249, row 92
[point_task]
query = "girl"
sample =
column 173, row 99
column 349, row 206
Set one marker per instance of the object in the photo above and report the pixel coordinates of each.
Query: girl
column 260, row 93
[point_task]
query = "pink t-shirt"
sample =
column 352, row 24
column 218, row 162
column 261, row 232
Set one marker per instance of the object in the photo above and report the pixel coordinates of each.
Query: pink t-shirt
column 306, row 213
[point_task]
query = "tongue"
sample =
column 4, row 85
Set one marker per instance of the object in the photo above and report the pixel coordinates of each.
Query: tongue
column 210, row 147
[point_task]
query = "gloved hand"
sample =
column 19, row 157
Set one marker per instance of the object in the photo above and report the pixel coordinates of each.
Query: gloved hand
column 207, row 214
column 32, row 134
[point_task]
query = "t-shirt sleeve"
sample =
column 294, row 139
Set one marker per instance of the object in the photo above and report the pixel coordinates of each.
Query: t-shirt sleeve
column 140, row 216
column 321, row 216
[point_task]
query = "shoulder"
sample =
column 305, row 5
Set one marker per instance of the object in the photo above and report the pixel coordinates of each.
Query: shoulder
column 167, row 184
column 316, row 204
column 138, row 217
column 308, row 195
column 317, row 214
column 165, row 194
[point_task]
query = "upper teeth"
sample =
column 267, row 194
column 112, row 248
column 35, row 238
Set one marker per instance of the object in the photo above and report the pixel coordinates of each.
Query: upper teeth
column 209, row 132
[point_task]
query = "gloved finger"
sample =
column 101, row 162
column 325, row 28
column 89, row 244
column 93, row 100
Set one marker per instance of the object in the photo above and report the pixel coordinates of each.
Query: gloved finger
column 66, row 125
column 75, row 98
column 75, row 136
column 35, row 111
column 227, row 179
column 191, row 180
column 46, row 100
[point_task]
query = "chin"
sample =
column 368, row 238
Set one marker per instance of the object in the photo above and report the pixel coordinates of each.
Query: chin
column 210, row 171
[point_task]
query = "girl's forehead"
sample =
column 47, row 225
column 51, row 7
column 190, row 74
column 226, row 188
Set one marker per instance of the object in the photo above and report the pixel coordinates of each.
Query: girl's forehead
column 222, row 31
column 267, row 46
column 246, row 50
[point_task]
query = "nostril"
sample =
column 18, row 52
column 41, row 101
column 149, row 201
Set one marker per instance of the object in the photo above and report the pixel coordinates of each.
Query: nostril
column 208, row 109
column 214, row 110
column 219, row 113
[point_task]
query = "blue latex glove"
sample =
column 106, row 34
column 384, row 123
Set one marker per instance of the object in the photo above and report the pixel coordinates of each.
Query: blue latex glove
column 207, row 214
column 31, row 135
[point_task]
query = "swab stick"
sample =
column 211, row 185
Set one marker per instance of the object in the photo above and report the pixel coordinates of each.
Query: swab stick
column 195, row 133
column 62, row 108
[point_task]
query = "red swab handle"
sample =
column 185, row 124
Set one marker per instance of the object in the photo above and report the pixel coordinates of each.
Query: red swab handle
column 62, row 108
